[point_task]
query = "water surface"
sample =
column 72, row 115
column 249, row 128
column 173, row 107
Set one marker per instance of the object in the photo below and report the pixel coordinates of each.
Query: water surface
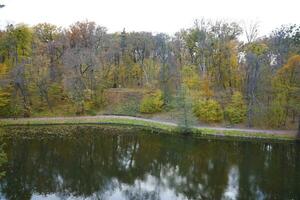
column 97, row 164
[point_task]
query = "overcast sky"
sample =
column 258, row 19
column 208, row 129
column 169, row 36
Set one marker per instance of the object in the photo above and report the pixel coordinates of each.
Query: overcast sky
column 150, row 15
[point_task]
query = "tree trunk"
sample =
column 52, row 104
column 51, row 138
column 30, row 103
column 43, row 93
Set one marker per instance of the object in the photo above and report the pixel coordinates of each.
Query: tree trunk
column 250, row 113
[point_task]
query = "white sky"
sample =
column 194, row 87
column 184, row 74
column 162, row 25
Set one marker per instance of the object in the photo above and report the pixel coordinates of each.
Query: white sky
column 166, row 16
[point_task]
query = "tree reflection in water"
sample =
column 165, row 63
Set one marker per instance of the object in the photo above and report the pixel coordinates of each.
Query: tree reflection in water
column 3, row 158
column 99, row 165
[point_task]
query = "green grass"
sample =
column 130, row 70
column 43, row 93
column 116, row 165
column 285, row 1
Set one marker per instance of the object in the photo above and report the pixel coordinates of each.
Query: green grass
column 197, row 132
column 243, row 134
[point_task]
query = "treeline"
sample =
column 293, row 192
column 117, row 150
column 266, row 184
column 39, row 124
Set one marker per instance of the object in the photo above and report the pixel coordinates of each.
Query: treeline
column 46, row 68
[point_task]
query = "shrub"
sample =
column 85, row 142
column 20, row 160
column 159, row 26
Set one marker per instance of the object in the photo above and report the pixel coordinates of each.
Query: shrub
column 4, row 102
column 236, row 110
column 91, row 112
column 152, row 103
column 14, row 110
column 208, row 111
column 89, row 108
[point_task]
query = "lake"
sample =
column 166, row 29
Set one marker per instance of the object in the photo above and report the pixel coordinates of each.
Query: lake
column 94, row 163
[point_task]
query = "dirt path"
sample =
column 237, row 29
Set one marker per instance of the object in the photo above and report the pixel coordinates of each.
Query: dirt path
column 290, row 132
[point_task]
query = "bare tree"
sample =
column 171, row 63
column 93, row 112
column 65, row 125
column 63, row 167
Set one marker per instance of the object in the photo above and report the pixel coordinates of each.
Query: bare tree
column 82, row 63
column 86, row 41
column 253, row 67
column 163, row 54
column 251, row 31
column 140, row 44
column 21, row 87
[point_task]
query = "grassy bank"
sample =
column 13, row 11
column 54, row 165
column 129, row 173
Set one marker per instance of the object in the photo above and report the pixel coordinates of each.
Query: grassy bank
column 145, row 124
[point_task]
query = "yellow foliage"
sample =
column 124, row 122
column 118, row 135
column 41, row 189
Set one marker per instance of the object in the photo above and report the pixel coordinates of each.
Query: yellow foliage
column 4, row 98
column 136, row 72
column 152, row 103
column 111, row 74
column 122, row 74
column 287, row 78
column 236, row 110
column 208, row 110
column 3, row 69
column 287, row 87
column 292, row 65
column 207, row 92
column 190, row 77
column 257, row 48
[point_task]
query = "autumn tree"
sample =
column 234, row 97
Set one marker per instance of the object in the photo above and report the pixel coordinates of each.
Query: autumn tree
column 16, row 49
column 256, row 56
column 198, row 41
column 162, row 53
column 49, row 41
column 140, row 45
column 81, row 60
column 287, row 90
column 283, row 42
column 18, row 42
column 21, row 90
column 44, row 67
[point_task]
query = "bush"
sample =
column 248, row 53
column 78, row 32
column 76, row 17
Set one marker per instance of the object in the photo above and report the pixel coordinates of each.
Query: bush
column 91, row 112
column 152, row 103
column 208, row 111
column 4, row 102
column 236, row 110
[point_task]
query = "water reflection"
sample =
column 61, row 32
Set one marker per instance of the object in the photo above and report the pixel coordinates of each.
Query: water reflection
column 3, row 158
column 96, row 165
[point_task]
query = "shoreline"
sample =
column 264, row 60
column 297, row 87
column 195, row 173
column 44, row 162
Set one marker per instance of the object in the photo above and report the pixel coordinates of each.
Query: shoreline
column 169, row 127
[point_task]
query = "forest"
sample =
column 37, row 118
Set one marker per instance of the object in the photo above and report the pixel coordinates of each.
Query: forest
column 206, row 72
